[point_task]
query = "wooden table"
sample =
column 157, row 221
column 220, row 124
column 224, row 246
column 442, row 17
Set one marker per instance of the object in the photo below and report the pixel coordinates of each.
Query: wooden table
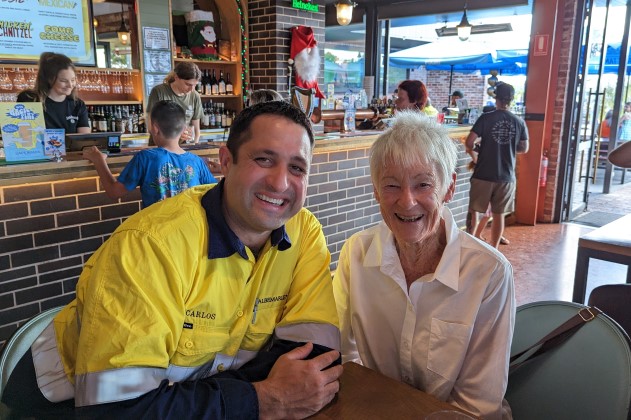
column 611, row 242
column 367, row 394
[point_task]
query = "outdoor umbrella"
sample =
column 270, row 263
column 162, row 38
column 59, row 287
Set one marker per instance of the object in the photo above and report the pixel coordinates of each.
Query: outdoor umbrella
column 612, row 60
column 448, row 52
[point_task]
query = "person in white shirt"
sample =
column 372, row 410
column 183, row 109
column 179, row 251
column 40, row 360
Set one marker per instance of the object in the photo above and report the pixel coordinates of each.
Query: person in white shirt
column 420, row 300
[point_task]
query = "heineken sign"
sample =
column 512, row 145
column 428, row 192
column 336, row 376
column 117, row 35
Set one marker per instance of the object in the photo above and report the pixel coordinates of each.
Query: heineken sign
column 304, row 5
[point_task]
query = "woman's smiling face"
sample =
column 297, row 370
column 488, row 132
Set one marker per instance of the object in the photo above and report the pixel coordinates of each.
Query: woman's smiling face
column 411, row 201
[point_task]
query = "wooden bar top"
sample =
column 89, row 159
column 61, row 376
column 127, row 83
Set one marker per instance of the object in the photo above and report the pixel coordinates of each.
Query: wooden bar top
column 74, row 167
column 614, row 237
column 367, row 394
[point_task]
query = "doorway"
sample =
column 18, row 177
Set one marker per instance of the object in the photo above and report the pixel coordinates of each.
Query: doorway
column 600, row 92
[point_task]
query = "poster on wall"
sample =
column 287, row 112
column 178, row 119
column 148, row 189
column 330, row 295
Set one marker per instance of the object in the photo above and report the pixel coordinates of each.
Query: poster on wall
column 23, row 131
column 29, row 27
column 157, row 56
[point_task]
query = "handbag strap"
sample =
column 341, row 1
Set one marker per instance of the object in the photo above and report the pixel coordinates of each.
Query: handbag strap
column 555, row 338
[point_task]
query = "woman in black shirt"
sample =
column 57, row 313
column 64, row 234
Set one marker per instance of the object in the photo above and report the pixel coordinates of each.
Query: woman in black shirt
column 56, row 86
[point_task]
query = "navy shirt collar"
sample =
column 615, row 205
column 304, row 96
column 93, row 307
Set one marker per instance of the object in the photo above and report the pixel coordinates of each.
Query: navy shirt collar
column 222, row 241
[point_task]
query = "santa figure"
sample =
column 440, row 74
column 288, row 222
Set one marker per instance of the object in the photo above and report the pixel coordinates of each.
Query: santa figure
column 306, row 56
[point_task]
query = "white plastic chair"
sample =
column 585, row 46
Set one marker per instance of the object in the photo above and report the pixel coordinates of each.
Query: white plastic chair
column 21, row 341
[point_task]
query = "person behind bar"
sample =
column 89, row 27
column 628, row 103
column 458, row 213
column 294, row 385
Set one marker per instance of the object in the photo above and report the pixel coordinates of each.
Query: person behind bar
column 161, row 172
column 412, row 95
column 503, row 135
column 216, row 303
column 56, row 87
column 264, row 95
column 420, row 300
column 179, row 86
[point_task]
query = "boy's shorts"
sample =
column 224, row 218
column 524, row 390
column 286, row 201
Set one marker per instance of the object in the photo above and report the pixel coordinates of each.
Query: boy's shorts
column 501, row 195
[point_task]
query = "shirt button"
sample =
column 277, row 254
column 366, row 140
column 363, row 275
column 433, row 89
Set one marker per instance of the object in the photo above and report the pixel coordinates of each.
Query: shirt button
column 220, row 368
column 189, row 344
column 240, row 314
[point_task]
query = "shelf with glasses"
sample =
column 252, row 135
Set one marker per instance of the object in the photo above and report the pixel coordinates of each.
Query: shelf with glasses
column 102, row 85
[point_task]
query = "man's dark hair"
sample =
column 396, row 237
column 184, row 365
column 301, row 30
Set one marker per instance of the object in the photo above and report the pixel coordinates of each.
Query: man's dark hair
column 504, row 92
column 170, row 117
column 240, row 129
column 458, row 94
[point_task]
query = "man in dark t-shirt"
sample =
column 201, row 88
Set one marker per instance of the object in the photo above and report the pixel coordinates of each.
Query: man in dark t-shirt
column 502, row 136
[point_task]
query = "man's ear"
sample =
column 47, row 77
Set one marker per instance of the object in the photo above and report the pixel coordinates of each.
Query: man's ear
column 225, row 159
column 375, row 192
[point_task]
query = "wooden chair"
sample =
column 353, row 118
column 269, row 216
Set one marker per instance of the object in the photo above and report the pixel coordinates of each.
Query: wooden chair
column 615, row 301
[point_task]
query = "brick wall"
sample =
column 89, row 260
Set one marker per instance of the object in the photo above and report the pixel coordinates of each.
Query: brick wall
column 270, row 23
column 562, row 97
column 49, row 230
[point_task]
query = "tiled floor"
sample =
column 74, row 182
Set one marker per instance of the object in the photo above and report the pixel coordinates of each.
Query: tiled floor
column 544, row 256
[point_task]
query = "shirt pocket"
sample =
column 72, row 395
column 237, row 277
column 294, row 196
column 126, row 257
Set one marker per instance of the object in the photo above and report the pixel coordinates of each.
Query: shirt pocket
column 262, row 326
column 199, row 344
column 448, row 344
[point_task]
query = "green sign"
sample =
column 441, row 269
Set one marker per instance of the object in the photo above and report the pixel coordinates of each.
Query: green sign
column 304, row 5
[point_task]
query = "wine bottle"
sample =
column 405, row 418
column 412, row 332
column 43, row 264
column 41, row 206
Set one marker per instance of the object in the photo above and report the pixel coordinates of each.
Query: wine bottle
column 214, row 83
column 206, row 82
column 222, row 83
column 229, row 87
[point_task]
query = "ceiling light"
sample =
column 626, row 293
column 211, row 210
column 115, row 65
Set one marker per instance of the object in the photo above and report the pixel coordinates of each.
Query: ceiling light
column 477, row 29
column 345, row 11
column 123, row 31
column 464, row 27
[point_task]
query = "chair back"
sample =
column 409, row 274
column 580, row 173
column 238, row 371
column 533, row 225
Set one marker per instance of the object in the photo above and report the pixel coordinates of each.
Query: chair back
column 586, row 377
column 21, row 341
column 615, row 301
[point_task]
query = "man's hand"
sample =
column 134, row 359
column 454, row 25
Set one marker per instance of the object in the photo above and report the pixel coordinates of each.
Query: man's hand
column 93, row 154
column 297, row 388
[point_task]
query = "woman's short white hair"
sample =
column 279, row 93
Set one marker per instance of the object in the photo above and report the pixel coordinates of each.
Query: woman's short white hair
column 413, row 140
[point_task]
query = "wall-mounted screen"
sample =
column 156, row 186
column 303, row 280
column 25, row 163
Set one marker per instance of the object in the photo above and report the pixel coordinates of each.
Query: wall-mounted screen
column 30, row 27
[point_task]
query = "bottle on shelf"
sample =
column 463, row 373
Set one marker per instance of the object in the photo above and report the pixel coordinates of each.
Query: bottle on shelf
column 103, row 122
column 205, row 122
column 199, row 88
column 229, row 87
column 212, row 120
column 214, row 83
column 206, row 83
column 222, row 83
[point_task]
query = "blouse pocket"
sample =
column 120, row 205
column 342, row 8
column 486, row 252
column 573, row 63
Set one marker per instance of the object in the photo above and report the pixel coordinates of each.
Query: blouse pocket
column 448, row 344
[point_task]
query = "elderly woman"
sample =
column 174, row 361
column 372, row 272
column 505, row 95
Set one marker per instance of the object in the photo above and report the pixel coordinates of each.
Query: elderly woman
column 420, row 300
column 412, row 95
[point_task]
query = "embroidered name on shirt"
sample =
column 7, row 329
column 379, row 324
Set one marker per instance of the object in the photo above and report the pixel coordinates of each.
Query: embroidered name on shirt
column 200, row 314
column 272, row 299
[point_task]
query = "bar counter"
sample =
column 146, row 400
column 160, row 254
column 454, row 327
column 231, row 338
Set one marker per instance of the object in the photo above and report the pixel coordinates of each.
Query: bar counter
column 54, row 215
column 73, row 166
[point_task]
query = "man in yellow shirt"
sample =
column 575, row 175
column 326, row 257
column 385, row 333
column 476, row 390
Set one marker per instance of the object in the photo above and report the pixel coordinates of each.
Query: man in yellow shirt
column 201, row 304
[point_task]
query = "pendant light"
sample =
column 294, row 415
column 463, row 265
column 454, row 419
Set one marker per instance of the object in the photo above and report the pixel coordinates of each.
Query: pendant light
column 345, row 11
column 464, row 27
column 123, row 31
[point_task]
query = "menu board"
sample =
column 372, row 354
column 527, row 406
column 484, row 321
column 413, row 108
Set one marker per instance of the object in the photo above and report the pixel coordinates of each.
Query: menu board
column 31, row 27
column 23, row 130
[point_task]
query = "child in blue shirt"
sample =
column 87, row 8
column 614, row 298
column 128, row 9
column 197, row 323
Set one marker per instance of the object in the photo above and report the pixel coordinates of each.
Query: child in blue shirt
column 160, row 172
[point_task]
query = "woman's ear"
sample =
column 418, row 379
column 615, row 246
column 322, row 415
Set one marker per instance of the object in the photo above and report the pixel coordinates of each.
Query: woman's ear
column 451, row 190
